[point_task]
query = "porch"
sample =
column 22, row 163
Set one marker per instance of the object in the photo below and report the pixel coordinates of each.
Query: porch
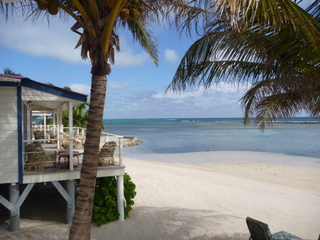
column 22, row 165
column 66, row 164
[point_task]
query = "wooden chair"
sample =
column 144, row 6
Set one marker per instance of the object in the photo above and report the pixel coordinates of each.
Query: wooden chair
column 37, row 158
column 36, row 161
column 260, row 231
column 106, row 155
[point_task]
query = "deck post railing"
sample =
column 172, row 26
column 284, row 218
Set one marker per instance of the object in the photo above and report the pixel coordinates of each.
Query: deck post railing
column 120, row 151
column 120, row 197
column 70, row 135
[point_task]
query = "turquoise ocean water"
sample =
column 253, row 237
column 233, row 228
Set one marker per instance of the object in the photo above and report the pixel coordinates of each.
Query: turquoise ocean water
column 296, row 136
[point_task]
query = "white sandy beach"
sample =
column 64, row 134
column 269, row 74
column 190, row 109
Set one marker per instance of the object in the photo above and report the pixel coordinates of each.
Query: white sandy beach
column 208, row 201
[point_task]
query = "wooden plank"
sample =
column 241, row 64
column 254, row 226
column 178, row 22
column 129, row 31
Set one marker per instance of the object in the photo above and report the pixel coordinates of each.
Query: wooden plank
column 9, row 106
column 8, row 127
column 9, row 112
column 9, row 158
column 32, row 94
column 9, row 178
column 9, row 148
column 8, row 163
column 8, row 119
column 8, row 99
column 29, row 94
column 6, row 135
column 9, row 142
column 8, row 91
column 70, row 175
column 9, row 174
column 13, row 162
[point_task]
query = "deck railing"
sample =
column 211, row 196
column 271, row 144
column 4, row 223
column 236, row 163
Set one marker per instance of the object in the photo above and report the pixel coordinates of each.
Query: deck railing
column 56, row 139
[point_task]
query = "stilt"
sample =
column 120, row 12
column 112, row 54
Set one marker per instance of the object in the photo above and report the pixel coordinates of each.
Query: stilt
column 14, row 204
column 15, row 211
column 69, row 196
column 120, row 197
column 71, row 204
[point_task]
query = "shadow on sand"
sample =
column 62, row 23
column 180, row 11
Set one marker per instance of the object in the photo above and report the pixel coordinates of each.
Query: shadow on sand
column 168, row 223
column 43, row 217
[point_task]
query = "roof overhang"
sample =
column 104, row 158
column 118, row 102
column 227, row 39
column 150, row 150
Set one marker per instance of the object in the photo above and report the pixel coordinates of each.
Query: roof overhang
column 41, row 96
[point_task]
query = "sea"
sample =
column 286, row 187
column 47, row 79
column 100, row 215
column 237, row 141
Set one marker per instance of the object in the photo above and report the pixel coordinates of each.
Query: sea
column 295, row 136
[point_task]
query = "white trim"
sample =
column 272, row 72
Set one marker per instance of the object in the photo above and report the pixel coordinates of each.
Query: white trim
column 10, row 1
column 6, row 79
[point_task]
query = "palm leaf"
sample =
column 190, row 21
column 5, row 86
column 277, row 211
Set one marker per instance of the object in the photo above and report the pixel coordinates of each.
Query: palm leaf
column 144, row 37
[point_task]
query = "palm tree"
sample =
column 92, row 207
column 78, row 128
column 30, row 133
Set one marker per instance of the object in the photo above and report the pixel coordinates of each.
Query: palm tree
column 272, row 44
column 80, row 116
column 10, row 72
column 96, row 22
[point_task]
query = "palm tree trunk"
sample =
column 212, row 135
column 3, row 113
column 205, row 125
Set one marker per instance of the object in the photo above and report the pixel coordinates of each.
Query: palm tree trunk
column 81, row 225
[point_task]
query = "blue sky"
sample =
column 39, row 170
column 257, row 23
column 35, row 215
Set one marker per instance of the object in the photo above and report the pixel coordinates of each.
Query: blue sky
column 135, row 87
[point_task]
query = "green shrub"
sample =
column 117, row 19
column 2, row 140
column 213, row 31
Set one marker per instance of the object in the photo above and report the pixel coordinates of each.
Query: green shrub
column 105, row 199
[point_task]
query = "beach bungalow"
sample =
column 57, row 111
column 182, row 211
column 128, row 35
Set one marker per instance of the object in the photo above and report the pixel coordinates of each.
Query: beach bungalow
column 27, row 158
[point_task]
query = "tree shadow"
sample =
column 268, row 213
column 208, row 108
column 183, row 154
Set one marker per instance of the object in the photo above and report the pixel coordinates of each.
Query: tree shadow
column 172, row 223
column 44, row 202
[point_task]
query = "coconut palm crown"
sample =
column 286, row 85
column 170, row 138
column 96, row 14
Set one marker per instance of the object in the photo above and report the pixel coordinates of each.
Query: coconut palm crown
column 271, row 44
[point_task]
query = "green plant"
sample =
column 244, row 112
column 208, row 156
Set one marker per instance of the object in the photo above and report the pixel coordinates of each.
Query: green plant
column 105, row 199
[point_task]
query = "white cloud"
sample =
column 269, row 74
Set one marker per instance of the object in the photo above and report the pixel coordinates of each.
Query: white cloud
column 116, row 85
column 127, row 56
column 221, row 101
column 55, row 41
column 181, row 95
column 192, row 104
column 223, row 89
column 170, row 55
column 228, row 88
column 81, row 88
column 39, row 39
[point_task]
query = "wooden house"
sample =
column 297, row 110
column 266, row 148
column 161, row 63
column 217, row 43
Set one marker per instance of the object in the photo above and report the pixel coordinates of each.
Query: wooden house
column 19, row 97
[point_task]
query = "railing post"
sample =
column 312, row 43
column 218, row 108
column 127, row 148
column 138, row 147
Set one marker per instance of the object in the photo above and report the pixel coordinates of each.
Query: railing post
column 70, row 136
column 120, row 152
column 120, row 197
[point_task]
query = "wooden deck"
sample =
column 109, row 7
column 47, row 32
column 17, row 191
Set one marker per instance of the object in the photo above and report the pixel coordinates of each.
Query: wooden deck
column 60, row 172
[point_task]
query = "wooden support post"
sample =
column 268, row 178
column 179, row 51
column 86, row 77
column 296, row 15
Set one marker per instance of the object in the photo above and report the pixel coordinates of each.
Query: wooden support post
column 69, row 196
column 70, row 187
column 15, row 211
column 120, row 197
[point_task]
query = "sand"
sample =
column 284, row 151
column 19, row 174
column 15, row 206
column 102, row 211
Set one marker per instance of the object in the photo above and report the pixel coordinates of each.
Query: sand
column 209, row 200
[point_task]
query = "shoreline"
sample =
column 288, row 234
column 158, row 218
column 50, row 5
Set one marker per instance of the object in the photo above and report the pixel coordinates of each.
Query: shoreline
column 195, row 158
column 207, row 200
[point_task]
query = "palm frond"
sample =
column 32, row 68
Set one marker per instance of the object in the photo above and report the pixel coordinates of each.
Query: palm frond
column 144, row 37
column 314, row 9
column 271, row 99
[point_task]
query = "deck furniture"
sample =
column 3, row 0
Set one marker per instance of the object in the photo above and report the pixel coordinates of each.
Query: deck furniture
column 260, row 231
column 106, row 155
column 37, row 158
column 66, row 155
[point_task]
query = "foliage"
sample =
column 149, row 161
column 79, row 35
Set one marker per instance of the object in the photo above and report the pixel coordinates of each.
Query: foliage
column 10, row 72
column 271, row 44
column 105, row 199
column 80, row 116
